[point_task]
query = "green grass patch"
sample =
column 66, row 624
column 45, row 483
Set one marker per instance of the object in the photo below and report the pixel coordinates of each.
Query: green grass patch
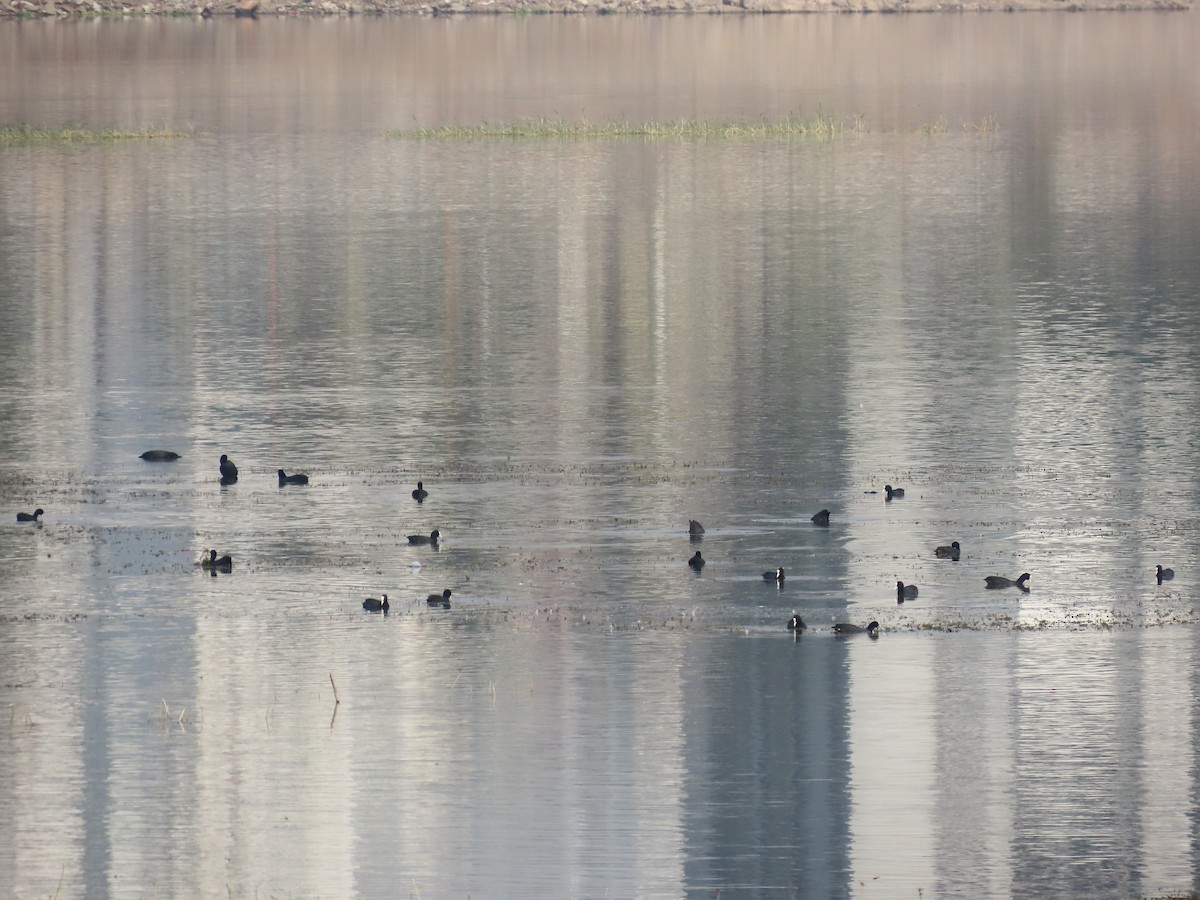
column 78, row 134
column 687, row 129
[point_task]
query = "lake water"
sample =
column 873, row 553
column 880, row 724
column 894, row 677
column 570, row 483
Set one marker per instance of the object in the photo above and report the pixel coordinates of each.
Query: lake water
column 985, row 290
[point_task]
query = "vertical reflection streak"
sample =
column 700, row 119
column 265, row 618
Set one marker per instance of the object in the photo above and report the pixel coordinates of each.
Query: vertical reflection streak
column 893, row 759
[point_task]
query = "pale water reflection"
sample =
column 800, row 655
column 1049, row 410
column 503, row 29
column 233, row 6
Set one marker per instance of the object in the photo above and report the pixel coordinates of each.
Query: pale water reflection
column 472, row 757
column 579, row 346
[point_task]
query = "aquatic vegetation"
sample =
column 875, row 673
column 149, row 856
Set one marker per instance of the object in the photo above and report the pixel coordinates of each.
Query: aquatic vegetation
column 80, row 134
column 820, row 125
column 986, row 125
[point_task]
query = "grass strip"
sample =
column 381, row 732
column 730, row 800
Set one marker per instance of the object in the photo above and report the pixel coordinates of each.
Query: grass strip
column 78, row 134
column 819, row 126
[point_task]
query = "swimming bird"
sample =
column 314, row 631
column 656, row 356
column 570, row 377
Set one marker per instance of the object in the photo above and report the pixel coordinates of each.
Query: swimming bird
column 419, row 493
column 999, row 581
column 795, row 623
column 872, row 628
column 697, row 561
column 222, row 564
column 295, row 478
column 893, row 492
column 1161, row 574
column 159, row 456
column 374, row 604
column 228, row 470
column 905, row 592
column 442, row 599
column 950, row 552
column 776, row 575
column 821, row 518
column 30, row 517
column 431, row 538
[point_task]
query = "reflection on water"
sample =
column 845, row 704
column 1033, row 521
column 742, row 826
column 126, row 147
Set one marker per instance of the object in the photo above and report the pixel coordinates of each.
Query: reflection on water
column 579, row 346
column 466, row 758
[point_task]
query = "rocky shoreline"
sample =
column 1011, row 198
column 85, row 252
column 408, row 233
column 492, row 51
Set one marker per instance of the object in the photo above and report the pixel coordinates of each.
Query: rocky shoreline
column 267, row 8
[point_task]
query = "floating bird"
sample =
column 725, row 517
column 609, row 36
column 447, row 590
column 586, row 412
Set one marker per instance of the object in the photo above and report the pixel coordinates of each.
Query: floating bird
column 159, row 456
column 228, row 470
column 843, row 628
column 442, row 599
column 905, row 592
column 431, row 538
column 221, row 564
column 821, row 518
column 795, row 623
column 695, row 529
column 950, row 552
column 1161, row 574
column 893, row 492
column 697, row 561
column 295, row 478
column 374, row 604
column 419, row 493
column 774, row 575
column 999, row 581
column 37, row 514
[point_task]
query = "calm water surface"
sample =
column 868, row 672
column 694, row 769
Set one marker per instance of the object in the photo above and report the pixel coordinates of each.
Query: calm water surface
column 578, row 346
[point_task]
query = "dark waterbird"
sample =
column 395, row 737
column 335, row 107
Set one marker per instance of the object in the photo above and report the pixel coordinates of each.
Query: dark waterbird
column 796, row 624
column 695, row 529
column 905, row 592
column 218, row 564
column 872, row 628
column 431, row 538
column 228, row 470
column 774, row 575
column 1161, row 574
column 419, row 493
column 374, row 604
column 30, row 517
column 999, row 581
column 294, row 478
column 893, row 492
column 442, row 599
column 159, row 456
column 697, row 561
column 948, row 552
column 821, row 518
